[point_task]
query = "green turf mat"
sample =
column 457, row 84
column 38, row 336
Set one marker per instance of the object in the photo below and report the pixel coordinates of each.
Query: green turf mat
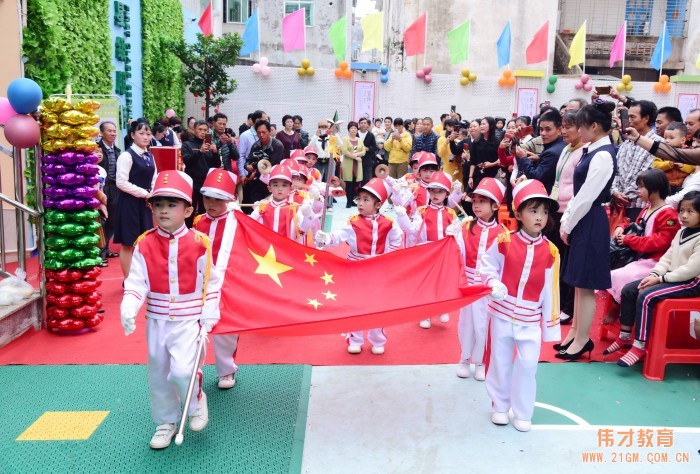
column 606, row 394
column 252, row 428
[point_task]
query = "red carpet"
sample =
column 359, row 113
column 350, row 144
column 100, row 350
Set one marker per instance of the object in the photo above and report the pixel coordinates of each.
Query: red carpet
column 408, row 344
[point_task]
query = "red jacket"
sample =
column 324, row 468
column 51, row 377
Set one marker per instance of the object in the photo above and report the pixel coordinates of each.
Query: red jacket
column 664, row 227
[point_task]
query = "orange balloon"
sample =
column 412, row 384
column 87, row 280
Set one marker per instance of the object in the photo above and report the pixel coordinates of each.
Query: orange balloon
column 663, row 79
column 511, row 81
column 658, row 86
column 502, row 81
column 667, row 87
column 507, row 73
column 343, row 65
column 338, row 72
column 347, row 74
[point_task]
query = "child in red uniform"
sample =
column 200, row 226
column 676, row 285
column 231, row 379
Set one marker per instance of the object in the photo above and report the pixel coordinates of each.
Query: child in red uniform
column 368, row 234
column 219, row 223
column 430, row 222
column 310, row 158
column 522, row 269
column 478, row 237
column 172, row 273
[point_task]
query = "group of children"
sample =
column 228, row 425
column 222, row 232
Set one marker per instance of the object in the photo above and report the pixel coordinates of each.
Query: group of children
column 521, row 267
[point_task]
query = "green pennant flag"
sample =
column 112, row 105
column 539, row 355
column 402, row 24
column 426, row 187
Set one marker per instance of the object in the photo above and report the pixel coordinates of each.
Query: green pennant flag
column 458, row 43
column 336, row 33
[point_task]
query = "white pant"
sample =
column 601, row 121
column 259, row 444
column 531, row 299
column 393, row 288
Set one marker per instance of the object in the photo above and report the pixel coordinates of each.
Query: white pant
column 172, row 348
column 376, row 337
column 512, row 384
column 473, row 324
column 225, row 346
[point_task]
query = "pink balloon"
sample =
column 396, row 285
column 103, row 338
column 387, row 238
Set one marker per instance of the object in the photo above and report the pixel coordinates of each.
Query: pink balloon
column 585, row 78
column 264, row 61
column 6, row 110
column 22, row 131
column 428, row 79
column 578, row 85
column 420, row 74
column 587, row 87
column 170, row 113
column 265, row 70
column 428, row 69
column 256, row 68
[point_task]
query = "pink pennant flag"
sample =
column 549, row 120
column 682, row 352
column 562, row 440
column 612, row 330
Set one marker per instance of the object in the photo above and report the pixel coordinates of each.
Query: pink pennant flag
column 294, row 31
column 617, row 50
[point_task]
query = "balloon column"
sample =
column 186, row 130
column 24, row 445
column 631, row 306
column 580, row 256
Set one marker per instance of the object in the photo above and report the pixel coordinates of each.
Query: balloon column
column 343, row 71
column 583, row 83
column 306, row 69
column 551, row 87
column 663, row 85
column 425, row 74
column 467, row 77
column 507, row 79
column 262, row 67
column 69, row 175
column 384, row 70
column 23, row 97
column 625, row 84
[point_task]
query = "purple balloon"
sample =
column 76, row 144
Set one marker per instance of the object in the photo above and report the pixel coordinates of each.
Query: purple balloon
column 71, row 158
column 48, row 179
column 55, row 168
column 70, row 204
column 92, row 180
column 49, row 203
column 88, row 169
column 49, row 159
column 92, row 203
column 71, row 179
column 84, row 192
column 57, row 192
column 92, row 158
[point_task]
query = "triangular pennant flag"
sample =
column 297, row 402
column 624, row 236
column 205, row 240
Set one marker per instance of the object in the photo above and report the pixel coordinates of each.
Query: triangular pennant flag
column 503, row 47
column 294, row 31
column 205, row 22
column 414, row 36
column 617, row 50
column 662, row 51
column 577, row 50
column 373, row 32
column 458, row 43
column 697, row 63
column 336, row 33
column 251, row 36
column 538, row 48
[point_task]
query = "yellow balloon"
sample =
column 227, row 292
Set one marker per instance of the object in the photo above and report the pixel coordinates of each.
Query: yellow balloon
column 57, row 130
column 92, row 119
column 301, row 71
column 305, row 63
column 48, row 118
column 628, row 87
column 73, row 117
column 626, row 79
column 310, row 71
column 56, row 105
column 472, row 77
column 464, row 81
column 620, row 87
column 85, row 131
column 87, row 106
column 465, row 72
column 85, row 144
column 54, row 145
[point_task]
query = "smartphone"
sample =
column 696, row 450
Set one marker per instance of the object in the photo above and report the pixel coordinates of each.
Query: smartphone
column 625, row 119
column 453, row 108
column 603, row 90
column 508, row 136
column 208, row 138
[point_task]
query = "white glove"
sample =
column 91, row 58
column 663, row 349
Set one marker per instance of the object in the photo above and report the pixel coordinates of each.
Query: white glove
column 400, row 211
column 207, row 325
column 453, row 229
column 498, row 290
column 321, row 239
column 128, row 322
column 457, row 188
column 315, row 192
column 233, row 206
column 306, row 209
column 396, row 187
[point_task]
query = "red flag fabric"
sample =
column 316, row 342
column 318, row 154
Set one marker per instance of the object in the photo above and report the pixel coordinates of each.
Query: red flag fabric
column 537, row 51
column 414, row 36
column 205, row 22
column 277, row 287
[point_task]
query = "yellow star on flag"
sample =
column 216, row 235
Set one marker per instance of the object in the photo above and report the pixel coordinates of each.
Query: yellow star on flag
column 315, row 303
column 310, row 259
column 327, row 278
column 329, row 295
column 268, row 265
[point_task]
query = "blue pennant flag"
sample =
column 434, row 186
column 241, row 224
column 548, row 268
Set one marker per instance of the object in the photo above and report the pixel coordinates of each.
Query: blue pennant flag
column 251, row 37
column 503, row 47
column 664, row 43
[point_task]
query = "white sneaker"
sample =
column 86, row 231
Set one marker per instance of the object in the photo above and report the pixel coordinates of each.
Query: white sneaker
column 444, row 318
column 425, row 324
column 377, row 350
column 353, row 349
column 522, row 425
column 227, row 381
column 164, row 434
column 200, row 418
column 463, row 370
column 499, row 418
column 480, row 372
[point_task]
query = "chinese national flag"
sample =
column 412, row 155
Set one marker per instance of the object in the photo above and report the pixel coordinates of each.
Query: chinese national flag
column 205, row 21
column 277, row 287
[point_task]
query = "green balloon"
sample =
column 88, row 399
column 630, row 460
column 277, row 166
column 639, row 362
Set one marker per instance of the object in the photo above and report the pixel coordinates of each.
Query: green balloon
column 550, row 88
column 71, row 230
column 553, row 79
column 51, row 254
column 87, row 262
column 86, row 240
column 54, row 264
column 50, row 228
column 93, row 226
column 92, row 252
column 71, row 255
column 56, row 242
column 85, row 217
column 56, row 217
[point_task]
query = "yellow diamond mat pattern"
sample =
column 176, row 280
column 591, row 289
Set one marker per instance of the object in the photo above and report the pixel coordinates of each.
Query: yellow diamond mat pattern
column 64, row 426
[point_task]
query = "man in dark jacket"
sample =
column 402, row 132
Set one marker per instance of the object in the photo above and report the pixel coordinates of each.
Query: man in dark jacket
column 266, row 148
column 370, row 142
column 110, row 153
column 199, row 155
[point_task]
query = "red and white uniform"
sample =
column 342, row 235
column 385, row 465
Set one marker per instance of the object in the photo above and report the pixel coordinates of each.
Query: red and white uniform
column 174, row 276
column 428, row 223
column 473, row 319
column 529, row 268
column 283, row 217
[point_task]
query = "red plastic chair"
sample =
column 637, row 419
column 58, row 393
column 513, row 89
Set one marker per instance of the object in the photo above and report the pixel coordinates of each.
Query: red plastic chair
column 670, row 341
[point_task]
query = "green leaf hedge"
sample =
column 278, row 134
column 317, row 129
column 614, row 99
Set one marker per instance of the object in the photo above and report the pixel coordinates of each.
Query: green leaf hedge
column 163, row 87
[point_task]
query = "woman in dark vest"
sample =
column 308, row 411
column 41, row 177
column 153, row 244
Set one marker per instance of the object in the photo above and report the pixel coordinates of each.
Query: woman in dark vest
column 584, row 225
column 136, row 172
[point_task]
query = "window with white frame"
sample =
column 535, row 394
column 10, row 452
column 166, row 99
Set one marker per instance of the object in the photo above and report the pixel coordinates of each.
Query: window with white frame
column 237, row 11
column 292, row 6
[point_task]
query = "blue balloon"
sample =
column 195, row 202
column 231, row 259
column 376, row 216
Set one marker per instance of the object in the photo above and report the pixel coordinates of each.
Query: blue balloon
column 24, row 95
column 384, row 70
column 384, row 78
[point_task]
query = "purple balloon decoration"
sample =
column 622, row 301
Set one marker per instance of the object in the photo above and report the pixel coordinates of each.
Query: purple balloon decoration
column 93, row 203
column 88, row 169
column 70, row 204
column 55, row 168
column 71, row 179
column 49, row 203
column 57, row 192
column 84, row 192
column 71, row 158
column 49, row 159
column 92, row 158
column 92, row 180
column 48, row 179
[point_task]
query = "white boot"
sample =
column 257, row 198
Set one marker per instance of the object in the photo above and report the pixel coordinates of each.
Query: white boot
column 499, row 418
column 425, row 324
column 522, row 425
column 444, row 318
column 227, row 381
column 377, row 350
column 480, row 372
column 463, row 370
column 353, row 349
column 164, row 434
column 200, row 417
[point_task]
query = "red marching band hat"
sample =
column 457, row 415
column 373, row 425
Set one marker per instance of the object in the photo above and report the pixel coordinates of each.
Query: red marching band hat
column 173, row 183
column 426, row 158
column 378, row 187
column 292, row 165
column 219, row 184
column 492, row 189
column 440, row 180
column 298, row 155
column 310, row 150
column 281, row 172
column 531, row 189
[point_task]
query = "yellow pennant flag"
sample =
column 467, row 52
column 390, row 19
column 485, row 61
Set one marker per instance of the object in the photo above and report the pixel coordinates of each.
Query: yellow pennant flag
column 697, row 63
column 373, row 32
column 577, row 50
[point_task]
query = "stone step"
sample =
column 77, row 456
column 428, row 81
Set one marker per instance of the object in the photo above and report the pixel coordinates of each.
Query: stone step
column 17, row 318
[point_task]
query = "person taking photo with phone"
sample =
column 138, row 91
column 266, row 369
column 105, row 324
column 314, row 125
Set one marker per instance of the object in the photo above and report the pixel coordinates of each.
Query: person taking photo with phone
column 199, row 154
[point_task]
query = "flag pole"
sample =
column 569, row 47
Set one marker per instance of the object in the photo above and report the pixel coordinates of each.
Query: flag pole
column 624, row 45
column 663, row 40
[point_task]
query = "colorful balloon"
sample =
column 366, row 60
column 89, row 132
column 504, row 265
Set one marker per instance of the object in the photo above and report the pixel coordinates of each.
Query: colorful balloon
column 24, row 95
column 6, row 110
column 22, row 131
